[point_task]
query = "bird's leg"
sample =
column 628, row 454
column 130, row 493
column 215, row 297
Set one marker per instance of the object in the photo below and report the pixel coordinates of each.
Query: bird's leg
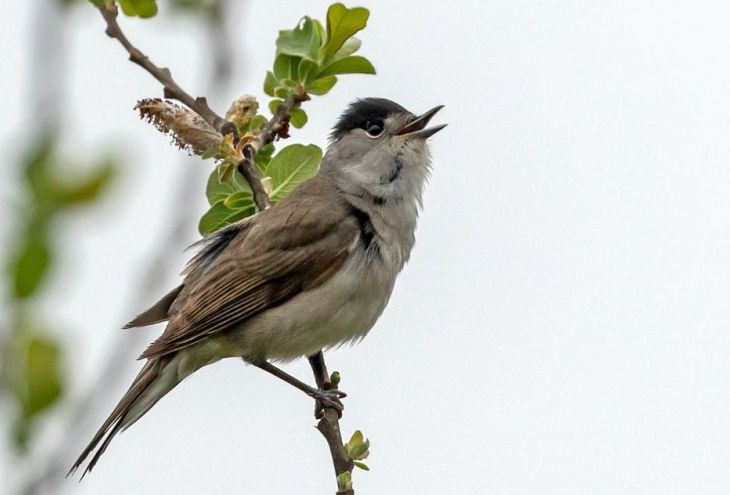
column 319, row 368
column 316, row 361
column 328, row 398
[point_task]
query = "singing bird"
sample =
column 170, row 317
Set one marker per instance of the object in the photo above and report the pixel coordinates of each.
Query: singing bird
column 312, row 272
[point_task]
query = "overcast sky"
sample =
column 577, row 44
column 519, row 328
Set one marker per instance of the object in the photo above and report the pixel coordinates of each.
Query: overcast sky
column 562, row 326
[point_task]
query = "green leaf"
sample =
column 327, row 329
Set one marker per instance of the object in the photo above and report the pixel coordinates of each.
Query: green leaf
column 291, row 166
column 302, row 41
column 225, row 169
column 31, row 266
column 270, row 83
column 298, row 118
column 342, row 23
column 351, row 46
column 344, row 481
column 307, row 71
column 39, row 382
column 361, row 465
column 274, row 105
column 286, row 67
column 282, row 92
column 256, row 123
column 321, row 86
column 140, row 8
column 219, row 215
column 357, row 451
column 217, row 191
column 240, row 199
column 356, row 438
column 348, row 65
column 263, row 157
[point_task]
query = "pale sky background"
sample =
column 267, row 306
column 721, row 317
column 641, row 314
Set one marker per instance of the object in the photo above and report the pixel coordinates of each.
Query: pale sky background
column 562, row 326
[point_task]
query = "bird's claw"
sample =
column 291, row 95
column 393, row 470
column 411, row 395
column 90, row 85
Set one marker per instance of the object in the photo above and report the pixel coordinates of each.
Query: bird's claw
column 327, row 399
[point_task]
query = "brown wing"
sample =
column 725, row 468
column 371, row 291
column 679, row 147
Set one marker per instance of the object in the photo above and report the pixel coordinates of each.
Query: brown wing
column 294, row 246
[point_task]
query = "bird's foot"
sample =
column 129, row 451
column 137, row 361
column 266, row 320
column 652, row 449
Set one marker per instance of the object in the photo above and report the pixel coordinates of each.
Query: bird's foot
column 327, row 398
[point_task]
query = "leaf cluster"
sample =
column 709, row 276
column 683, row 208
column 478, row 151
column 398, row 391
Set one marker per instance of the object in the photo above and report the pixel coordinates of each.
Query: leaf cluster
column 358, row 449
column 231, row 199
column 310, row 57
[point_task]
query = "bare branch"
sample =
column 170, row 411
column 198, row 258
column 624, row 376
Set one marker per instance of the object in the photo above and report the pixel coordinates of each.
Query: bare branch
column 171, row 89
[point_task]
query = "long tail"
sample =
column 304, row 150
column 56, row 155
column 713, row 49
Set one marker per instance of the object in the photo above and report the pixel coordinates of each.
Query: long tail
column 157, row 377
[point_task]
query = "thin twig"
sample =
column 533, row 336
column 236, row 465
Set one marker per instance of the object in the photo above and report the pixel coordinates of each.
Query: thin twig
column 274, row 128
column 329, row 424
column 171, row 89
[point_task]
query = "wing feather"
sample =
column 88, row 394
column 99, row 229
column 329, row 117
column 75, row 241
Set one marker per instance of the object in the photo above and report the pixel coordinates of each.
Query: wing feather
column 294, row 246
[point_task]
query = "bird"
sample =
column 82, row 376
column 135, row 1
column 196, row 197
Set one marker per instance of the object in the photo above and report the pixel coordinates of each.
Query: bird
column 312, row 272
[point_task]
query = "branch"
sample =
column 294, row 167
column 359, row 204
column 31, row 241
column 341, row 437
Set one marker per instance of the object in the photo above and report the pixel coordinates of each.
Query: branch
column 329, row 424
column 171, row 89
column 274, row 128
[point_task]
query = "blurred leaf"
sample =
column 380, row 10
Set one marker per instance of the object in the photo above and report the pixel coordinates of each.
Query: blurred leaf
column 291, row 166
column 220, row 215
column 192, row 6
column 348, row 65
column 87, row 189
column 140, row 8
column 217, row 192
column 298, row 117
column 321, row 86
column 37, row 164
column 342, row 23
column 31, row 266
column 39, row 381
column 361, row 465
column 302, row 41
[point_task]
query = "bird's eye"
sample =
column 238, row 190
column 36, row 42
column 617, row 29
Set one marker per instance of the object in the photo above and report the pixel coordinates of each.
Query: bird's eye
column 374, row 129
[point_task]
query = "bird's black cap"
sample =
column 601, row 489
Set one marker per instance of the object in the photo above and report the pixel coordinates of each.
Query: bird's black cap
column 364, row 112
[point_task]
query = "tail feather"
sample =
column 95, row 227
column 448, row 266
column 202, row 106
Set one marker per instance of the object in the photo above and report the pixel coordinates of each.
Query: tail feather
column 136, row 402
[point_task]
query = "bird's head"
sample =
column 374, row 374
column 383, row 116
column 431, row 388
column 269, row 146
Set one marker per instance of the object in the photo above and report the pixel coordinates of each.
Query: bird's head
column 379, row 146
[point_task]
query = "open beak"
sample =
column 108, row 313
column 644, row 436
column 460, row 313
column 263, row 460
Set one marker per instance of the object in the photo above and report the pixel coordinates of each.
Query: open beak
column 417, row 127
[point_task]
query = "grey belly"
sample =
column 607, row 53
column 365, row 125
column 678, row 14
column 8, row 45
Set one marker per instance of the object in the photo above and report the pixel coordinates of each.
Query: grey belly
column 342, row 310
